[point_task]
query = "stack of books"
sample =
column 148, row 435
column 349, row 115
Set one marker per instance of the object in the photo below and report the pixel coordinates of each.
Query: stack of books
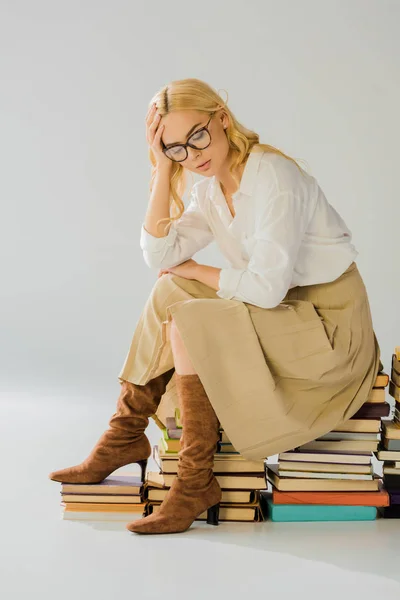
column 118, row 497
column 241, row 480
column 332, row 478
column 389, row 450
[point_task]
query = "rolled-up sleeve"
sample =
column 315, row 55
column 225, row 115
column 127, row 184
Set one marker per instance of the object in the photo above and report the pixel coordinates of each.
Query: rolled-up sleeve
column 281, row 224
column 185, row 237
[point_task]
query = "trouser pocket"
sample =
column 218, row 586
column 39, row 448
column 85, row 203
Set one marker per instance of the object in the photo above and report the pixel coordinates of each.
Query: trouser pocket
column 294, row 339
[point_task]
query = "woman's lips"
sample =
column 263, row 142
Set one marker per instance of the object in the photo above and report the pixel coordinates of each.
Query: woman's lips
column 205, row 165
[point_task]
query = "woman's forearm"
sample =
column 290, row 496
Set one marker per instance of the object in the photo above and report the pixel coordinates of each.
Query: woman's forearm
column 158, row 207
column 208, row 275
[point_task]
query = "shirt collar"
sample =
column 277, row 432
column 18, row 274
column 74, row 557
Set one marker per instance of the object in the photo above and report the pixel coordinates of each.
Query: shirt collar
column 249, row 176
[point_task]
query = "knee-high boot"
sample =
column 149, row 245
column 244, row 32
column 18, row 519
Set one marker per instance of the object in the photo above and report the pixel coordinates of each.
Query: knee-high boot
column 195, row 488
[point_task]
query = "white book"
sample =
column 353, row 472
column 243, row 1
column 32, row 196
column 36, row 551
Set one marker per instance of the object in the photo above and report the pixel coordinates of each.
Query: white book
column 360, row 425
column 314, row 475
column 388, row 455
column 326, row 457
column 345, row 446
column 288, row 484
column 288, row 465
column 390, row 470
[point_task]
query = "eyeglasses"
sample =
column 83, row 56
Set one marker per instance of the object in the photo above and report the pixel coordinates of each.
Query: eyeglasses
column 199, row 140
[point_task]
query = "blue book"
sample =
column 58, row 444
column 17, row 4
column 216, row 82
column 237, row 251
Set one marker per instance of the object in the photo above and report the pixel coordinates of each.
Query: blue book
column 319, row 512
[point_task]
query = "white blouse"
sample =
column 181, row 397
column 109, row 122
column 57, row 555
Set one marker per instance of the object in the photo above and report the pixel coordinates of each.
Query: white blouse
column 284, row 232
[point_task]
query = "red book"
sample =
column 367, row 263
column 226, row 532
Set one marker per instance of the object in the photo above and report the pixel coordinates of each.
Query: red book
column 380, row 498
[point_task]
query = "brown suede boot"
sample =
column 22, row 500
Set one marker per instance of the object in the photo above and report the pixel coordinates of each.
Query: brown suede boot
column 195, row 487
column 125, row 441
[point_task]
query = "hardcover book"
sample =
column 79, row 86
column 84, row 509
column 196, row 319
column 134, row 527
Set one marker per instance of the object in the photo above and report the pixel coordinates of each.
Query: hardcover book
column 379, row 498
column 313, row 512
column 333, row 485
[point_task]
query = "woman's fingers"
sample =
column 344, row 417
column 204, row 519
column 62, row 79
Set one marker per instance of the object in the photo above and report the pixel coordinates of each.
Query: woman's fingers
column 150, row 111
column 153, row 136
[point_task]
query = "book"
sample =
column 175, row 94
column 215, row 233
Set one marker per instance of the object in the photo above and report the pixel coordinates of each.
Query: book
column 173, row 432
column 387, row 470
column 391, row 444
column 224, row 447
column 392, row 483
column 113, row 484
column 394, row 390
column 154, row 479
column 350, row 435
column 372, row 411
column 226, row 513
column 360, row 425
column 391, row 431
column 377, row 395
column 289, row 484
column 396, row 381
column 224, row 437
column 387, row 455
column 394, row 497
column 326, row 475
column 103, row 507
column 234, row 464
column 320, row 467
column 173, row 446
column 393, row 464
column 347, row 446
column 170, row 444
column 178, row 419
column 382, row 380
column 390, row 512
column 103, row 499
column 352, row 498
column 341, row 458
column 394, row 386
column 234, row 482
column 323, row 512
column 228, row 496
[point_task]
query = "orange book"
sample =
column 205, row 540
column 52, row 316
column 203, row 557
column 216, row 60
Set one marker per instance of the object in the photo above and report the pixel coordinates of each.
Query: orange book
column 382, row 380
column 376, row 395
column 380, row 498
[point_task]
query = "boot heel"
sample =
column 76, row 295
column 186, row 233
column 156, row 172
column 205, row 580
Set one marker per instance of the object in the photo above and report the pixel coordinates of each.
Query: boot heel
column 212, row 514
column 143, row 465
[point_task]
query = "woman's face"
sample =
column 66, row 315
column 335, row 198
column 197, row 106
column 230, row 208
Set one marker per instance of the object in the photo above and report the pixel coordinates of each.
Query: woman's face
column 179, row 125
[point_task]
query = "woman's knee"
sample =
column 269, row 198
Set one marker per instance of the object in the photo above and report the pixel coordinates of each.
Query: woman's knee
column 174, row 335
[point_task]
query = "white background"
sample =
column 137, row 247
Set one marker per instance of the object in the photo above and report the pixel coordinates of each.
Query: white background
column 317, row 79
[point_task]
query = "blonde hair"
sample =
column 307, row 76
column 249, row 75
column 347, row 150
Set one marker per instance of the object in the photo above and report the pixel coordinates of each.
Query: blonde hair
column 194, row 94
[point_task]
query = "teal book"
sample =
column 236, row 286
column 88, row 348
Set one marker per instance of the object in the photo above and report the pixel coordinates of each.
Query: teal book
column 319, row 512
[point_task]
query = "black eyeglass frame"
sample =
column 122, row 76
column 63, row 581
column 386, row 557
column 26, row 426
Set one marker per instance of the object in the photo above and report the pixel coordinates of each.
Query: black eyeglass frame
column 165, row 148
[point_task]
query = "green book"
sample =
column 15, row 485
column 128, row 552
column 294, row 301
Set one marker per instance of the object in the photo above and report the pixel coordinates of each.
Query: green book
column 319, row 512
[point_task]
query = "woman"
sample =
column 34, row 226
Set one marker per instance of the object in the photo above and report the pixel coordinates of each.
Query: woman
column 278, row 348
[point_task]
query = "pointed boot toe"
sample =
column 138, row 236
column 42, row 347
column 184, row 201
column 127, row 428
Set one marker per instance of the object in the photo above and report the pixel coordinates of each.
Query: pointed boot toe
column 125, row 442
column 77, row 474
column 158, row 524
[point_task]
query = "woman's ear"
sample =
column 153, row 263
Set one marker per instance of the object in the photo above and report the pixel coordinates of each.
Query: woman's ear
column 224, row 120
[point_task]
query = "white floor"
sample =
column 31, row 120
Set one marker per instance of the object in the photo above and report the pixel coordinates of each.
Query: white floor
column 44, row 557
